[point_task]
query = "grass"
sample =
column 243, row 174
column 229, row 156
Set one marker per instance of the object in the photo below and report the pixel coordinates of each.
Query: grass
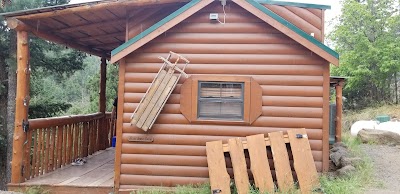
column 35, row 190
column 355, row 182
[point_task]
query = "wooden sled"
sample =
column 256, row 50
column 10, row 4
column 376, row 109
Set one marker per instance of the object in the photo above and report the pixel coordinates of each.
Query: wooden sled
column 159, row 91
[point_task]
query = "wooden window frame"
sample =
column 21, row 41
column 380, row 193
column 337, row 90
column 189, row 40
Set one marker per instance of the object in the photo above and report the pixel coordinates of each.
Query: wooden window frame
column 252, row 99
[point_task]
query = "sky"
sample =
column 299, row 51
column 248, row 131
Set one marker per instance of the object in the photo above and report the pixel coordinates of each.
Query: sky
column 329, row 14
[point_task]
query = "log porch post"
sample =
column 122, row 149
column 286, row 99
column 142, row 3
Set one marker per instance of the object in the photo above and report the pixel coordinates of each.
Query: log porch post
column 102, row 104
column 339, row 108
column 22, row 104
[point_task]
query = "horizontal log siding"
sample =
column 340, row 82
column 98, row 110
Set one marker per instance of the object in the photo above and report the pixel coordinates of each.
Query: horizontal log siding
column 290, row 76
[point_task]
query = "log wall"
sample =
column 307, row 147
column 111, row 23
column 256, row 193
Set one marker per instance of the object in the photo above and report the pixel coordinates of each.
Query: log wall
column 291, row 76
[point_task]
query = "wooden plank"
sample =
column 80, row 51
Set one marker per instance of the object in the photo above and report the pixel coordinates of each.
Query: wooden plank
column 103, row 179
column 245, row 144
column 281, row 161
column 239, row 165
column 75, row 139
column 153, row 101
column 303, row 161
column 259, row 164
column 46, row 151
column 148, row 97
column 161, row 101
column 219, row 178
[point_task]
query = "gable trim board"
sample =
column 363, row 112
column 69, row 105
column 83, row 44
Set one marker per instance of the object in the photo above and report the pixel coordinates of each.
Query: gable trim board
column 160, row 27
column 294, row 4
column 252, row 6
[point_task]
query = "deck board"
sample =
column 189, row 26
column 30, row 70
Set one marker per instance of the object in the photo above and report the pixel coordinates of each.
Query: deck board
column 98, row 171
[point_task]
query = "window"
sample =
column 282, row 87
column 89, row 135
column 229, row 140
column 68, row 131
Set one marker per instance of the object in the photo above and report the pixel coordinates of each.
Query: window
column 220, row 100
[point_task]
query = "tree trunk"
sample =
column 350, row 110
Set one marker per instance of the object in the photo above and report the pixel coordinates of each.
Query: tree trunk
column 3, row 123
column 396, row 88
column 12, row 86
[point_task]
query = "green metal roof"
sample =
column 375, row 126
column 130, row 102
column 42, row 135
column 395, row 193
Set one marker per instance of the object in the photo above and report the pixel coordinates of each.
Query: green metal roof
column 295, row 4
column 293, row 27
column 256, row 3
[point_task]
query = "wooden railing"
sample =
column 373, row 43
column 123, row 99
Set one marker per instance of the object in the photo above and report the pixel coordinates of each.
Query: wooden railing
column 56, row 142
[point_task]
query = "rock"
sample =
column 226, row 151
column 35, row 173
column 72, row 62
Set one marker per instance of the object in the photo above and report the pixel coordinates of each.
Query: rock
column 337, row 154
column 345, row 170
column 379, row 137
column 345, row 161
column 339, row 144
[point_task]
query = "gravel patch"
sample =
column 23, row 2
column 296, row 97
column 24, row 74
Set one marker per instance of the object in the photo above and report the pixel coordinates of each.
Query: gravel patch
column 386, row 168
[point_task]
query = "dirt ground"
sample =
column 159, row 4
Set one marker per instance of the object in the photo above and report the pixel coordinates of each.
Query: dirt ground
column 386, row 160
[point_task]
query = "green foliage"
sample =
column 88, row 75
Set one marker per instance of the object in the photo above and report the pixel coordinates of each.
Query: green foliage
column 36, row 190
column 366, row 37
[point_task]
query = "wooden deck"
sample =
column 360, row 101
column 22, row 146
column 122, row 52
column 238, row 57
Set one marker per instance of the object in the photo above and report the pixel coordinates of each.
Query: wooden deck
column 95, row 176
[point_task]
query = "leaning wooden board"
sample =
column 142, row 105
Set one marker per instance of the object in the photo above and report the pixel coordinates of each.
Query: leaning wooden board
column 303, row 162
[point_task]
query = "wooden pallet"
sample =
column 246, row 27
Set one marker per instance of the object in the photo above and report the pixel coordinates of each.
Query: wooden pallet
column 159, row 91
column 304, row 165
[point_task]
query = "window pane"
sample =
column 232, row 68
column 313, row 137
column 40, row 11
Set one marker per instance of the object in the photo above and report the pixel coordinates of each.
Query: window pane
column 218, row 110
column 231, row 90
column 210, row 90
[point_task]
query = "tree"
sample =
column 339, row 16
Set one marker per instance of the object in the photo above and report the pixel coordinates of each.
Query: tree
column 46, row 59
column 369, row 48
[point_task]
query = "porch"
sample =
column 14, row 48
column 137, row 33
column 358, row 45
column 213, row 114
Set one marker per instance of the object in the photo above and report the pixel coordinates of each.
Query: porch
column 54, row 143
column 95, row 176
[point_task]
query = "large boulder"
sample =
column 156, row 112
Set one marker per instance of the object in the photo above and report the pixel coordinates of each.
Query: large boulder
column 359, row 125
column 379, row 137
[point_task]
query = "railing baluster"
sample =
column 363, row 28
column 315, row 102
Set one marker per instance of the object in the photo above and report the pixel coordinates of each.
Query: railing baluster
column 51, row 150
column 41, row 155
column 76, row 135
column 46, row 151
column 65, row 139
column 27, row 157
column 34, row 155
column 59, row 145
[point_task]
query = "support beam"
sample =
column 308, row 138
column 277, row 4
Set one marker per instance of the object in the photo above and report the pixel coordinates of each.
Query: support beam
column 89, row 26
column 339, row 108
column 21, row 108
column 102, row 93
column 16, row 24
column 117, row 35
column 102, row 105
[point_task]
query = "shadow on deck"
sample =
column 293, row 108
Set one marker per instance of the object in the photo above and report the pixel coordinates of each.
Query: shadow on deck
column 95, row 176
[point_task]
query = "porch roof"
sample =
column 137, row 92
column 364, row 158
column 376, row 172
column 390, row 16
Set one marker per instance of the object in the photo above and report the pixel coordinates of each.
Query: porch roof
column 94, row 27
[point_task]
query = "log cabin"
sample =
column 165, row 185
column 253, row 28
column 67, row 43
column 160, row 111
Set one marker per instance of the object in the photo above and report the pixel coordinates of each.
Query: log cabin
column 268, row 57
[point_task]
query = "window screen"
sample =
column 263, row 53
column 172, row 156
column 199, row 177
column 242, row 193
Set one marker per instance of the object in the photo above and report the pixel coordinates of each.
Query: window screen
column 220, row 100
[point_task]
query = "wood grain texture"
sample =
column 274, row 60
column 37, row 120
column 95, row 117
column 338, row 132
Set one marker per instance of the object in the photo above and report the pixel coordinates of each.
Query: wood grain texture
column 259, row 163
column 281, row 160
column 219, row 178
column 239, row 165
column 303, row 161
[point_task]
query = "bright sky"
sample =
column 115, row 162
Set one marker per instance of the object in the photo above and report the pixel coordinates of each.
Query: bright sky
column 330, row 14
